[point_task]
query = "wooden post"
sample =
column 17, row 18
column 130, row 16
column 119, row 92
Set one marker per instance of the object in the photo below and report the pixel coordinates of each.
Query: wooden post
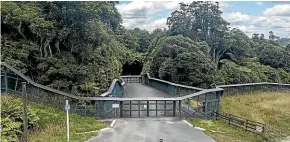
column 25, row 121
column 85, row 108
column 230, row 119
column 246, row 125
column 6, row 80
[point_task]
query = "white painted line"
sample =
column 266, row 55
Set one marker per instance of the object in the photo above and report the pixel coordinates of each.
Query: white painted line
column 187, row 123
column 198, row 128
column 105, row 129
column 112, row 124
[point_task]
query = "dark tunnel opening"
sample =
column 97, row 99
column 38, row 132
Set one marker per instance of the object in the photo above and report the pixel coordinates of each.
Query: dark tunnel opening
column 134, row 68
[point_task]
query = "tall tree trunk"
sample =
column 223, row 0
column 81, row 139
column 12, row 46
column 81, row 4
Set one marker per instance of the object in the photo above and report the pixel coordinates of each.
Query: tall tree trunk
column 57, row 47
column 41, row 47
column 50, row 52
column 19, row 30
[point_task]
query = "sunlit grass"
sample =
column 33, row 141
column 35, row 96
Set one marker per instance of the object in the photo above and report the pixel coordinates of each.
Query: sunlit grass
column 222, row 132
column 52, row 124
column 193, row 102
column 270, row 108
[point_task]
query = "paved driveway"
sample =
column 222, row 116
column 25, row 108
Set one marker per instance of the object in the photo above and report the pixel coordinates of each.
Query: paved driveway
column 151, row 130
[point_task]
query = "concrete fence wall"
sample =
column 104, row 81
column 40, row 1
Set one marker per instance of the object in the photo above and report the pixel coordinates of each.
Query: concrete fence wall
column 170, row 88
column 235, row 89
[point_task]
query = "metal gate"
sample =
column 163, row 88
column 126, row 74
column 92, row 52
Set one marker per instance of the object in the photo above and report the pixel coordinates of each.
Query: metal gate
column 148, row 108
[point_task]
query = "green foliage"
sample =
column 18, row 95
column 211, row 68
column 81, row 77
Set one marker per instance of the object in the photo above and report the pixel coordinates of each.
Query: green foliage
column 201, row 21
column 45, row 123
column 270, row 108
column 179, row 59
column 251, row 71
column 64, row 45
column 275, row 56
column 284, row 41
column 52, row 125
column 220, row 131
column 80, row 47
column 12, row 119
column 136, row 39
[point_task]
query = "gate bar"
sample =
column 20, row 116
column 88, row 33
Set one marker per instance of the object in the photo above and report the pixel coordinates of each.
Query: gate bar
column 164, row 108
column 138, row 108
column 180, row 109
column 130, row 109
column 121, row 109
column 156, row 108
column 147, row 108
column 174, row 108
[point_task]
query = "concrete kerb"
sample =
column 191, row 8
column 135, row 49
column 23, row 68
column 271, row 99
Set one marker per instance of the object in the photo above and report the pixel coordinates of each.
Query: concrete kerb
column 112, row 124
column 198, row 128
column 99, row 131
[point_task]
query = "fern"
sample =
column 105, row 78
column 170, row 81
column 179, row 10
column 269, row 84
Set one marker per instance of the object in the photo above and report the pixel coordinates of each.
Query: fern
column 11, row 119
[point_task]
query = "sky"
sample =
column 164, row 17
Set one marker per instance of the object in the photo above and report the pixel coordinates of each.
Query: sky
column 249, row 16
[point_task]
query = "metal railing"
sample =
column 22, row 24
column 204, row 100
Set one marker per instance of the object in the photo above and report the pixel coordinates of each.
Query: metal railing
column 170, row 87
column 234, row 89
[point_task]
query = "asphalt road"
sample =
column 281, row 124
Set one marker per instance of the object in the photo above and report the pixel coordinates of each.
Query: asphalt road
column 151, row 130
column 140, row 90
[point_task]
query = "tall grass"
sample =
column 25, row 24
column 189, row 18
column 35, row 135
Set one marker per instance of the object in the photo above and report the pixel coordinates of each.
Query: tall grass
column 270, row 108
column 52, row 124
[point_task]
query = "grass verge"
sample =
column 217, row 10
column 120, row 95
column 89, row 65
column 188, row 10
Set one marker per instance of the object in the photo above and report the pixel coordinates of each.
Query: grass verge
column 222, row 132
column 270, row 108
column 52, row 124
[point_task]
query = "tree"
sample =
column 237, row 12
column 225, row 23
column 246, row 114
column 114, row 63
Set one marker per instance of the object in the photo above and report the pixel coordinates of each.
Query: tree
column 181, row 60
column 288, row 47
column 66, row 45
column 255, row 37
column 201, row 21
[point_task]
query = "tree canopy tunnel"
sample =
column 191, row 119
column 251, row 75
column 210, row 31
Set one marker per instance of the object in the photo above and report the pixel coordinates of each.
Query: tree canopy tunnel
column 132, row 68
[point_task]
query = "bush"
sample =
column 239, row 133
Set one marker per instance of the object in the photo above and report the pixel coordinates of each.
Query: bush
column 12, row 119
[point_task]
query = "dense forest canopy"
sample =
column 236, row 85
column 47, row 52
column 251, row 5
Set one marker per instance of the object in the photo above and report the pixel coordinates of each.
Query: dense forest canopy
column 80, row 47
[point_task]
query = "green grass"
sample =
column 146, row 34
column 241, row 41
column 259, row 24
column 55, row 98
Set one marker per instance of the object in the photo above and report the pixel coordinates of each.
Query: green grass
column 222, row 132
column 52, row 125
column 270, row 108
column 193, row 102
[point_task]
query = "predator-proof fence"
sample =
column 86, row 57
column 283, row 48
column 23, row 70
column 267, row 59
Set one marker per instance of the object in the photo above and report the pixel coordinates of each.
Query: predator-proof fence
column 235, row 89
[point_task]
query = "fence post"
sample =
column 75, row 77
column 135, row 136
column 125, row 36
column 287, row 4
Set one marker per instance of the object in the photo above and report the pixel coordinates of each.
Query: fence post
column 246, row 125
column 229, row 119
column 6, row 80
column 130, row 109
column 25, row 123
